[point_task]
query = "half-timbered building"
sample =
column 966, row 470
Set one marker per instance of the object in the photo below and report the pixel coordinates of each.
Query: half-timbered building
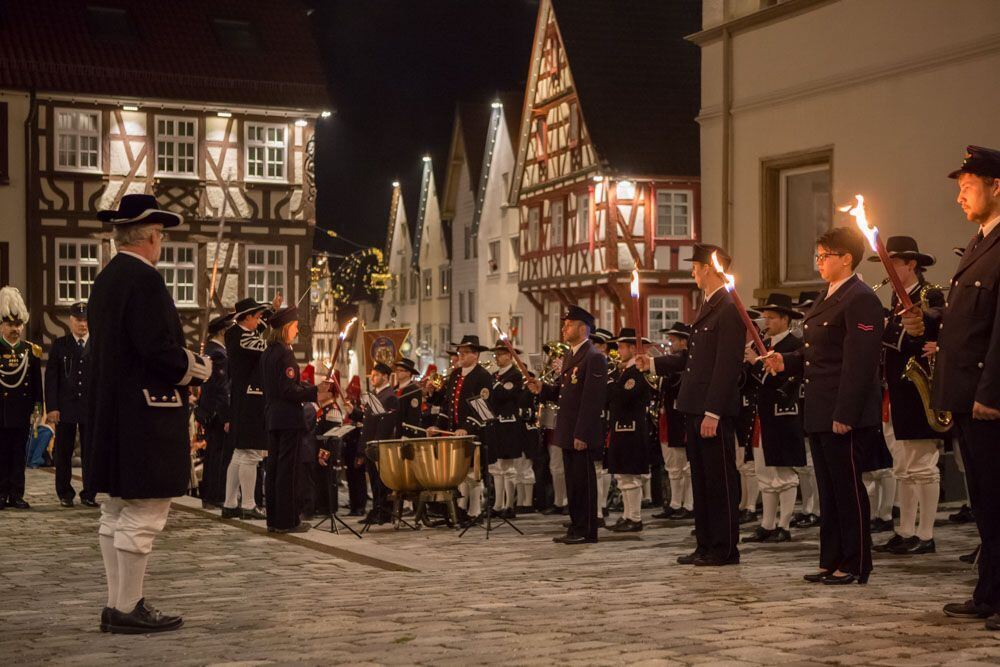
column 209, row 106
column 606, row 175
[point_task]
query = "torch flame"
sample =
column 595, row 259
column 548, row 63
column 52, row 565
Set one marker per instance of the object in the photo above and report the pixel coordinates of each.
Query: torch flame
column 858, row 212
column 503, row 336
column 728, row 277
column 635, row 284
column 347, row 328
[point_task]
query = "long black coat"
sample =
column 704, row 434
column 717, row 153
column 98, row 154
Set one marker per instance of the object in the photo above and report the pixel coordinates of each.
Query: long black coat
column 21, row 370
column 527, row 405
column 410, row 399
column 581, row 394
column 628, row 441
column 968, row 358
column 908, row 418
column 506, row 435
column 138, row 395
column 383, row 426
column 284, row 391
column 710, row 367
column 456, row 413
column 67, row 375
column 213, row 400
column 244, row 349
column 782, row 436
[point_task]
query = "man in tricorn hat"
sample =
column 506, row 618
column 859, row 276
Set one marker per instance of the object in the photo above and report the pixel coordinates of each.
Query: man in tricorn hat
column 21, row 398
column 913, row 443
column 709, row 398
column 212, row 412
column 137, row 414
column 67, row 374
column 966, row 377
column 581, row 394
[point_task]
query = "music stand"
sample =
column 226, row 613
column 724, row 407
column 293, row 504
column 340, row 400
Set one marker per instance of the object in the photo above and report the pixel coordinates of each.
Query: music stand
column 335, row 465
column 488, row 418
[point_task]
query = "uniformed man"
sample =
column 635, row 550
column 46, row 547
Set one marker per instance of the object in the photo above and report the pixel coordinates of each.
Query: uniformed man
column 809, row 516
column 376, row 426
column 782, row 437
column 531, row 467
column 469, row 381
column 604, row 343
column 21, row 400
column 410, row 397
column 247, row 433
column 212, row 413
column 628, row 453
column 137, row 412
column 967, row 371
column 66, row 378
column 555, row 474
column 709, row 399
column 581, row 395
column 506, row 435
column 917, row 445
column 746, row 431
column 672, row 437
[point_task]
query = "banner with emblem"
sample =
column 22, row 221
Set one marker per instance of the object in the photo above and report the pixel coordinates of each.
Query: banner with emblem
column 384, row 345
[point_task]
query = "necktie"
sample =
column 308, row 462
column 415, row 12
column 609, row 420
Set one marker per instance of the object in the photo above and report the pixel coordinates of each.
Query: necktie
column 79, row 344
column 979, row 238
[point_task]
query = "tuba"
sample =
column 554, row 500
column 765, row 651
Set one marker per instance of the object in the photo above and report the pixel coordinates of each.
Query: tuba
column 554, row 349
column 939, row 420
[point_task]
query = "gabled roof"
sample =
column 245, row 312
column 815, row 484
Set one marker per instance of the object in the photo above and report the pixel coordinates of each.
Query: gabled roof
column 637, row 79
column 165, row 49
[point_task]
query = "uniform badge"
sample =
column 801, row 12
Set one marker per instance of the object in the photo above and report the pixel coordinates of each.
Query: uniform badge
column 508, row 385
column 573, row 378
column 630, row 383
column 414, row 403
column 485, row 393
column 290, row 373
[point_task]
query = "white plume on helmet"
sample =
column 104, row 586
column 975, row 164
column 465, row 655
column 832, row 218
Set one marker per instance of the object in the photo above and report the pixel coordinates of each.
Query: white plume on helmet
column 12, row 305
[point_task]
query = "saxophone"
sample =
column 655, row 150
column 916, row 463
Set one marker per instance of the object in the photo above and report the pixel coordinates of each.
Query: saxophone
column 939, row 420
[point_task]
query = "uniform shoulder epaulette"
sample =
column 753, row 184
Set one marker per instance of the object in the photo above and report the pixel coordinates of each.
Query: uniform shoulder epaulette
column 36, row 349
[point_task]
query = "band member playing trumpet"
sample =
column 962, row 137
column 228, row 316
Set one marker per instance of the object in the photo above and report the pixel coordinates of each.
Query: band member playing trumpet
column 839, row 361
column 915, row 444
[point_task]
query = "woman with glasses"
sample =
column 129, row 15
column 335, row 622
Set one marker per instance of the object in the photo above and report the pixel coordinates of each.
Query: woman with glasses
column 839, row 362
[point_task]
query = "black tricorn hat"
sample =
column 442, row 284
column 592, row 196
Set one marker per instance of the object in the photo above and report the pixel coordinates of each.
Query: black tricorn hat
column 578, row 314
column 219, row 323
column 140, row 208
column 806, row 299
column 702, row 252
column 407, row 365
column 979, row 161
column 781, row 303
column 627, row 335
column 382, row 368
column 678, row 329
column 905, row 247
column 247, row 306
column 471, row 340
column 79, row 310
column 602, row 336
column 283, row 317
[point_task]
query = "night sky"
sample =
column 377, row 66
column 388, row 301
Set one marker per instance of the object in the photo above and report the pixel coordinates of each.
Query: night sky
column 397, row 68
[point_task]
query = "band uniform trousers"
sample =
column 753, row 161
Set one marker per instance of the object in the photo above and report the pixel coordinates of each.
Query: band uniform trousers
column 13, row 450
column 281, row 478
column 675, row 460
column 915, row 467
column 581, row 488
column 978, row 440
column 214, row 466
column 715, row 485
column 807, row 486
column 63, row 456
column 845, row 534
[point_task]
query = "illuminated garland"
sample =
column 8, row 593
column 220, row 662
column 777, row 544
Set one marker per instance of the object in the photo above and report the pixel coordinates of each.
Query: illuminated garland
column 362, row 275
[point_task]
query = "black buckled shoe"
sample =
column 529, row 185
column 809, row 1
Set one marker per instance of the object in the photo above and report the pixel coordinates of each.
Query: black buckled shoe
column 968, row 609
column 65, row 502
column 667, row 513
column 579, row 539
column 882, row 525
column 18, row 504
column 844, row 579
column 714, row 561
column 806, row 521
column 963, row 515
column 919, row 547
column 689, row 559
column 231, row 512
column 682, row 514
column 779, row 534
column 760, row 534
column 817, row 577
column 105, row 618
column 893, row 542
column 141, row 620
column 747, row 516
column 89, row 502
column 252, row 515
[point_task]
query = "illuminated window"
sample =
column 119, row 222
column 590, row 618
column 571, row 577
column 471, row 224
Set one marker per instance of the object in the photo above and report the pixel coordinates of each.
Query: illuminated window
column 663, row 311
column 176, row 146
column 556, row 224
column 179, row 269
column 673, row 214
column 77, row 264
column 265, row 273
column 266, row 150
column 78, row 140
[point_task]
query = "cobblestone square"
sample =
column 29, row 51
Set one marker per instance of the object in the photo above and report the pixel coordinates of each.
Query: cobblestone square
column 429, row 597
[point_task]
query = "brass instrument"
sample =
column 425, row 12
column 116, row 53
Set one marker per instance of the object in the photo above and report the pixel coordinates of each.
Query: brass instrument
column 614, row 361
column 487, row 364
column 435, row 380
column 555, row 350
column 885, row 281
column 939, row 420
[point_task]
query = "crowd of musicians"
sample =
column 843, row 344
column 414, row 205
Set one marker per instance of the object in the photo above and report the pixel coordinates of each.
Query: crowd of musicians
column 848, row 408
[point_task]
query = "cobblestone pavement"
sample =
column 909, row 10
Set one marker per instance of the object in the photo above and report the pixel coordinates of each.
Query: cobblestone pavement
column 254, row 599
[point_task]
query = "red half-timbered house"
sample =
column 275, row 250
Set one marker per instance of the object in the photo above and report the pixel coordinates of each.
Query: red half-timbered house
column 606, row 176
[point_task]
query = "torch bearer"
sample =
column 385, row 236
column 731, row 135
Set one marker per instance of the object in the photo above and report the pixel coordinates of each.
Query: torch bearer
column 336, row 353
column 506, row 341
column 731, row 288
column 875, row 241
column 634, row 288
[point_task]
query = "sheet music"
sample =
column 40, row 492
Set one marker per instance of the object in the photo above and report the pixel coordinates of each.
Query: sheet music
column 370, row 401
column 339, row 431
column 482, row 408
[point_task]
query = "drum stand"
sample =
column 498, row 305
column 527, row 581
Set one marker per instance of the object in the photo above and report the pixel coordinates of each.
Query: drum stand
column 333, row 501
column 487, row 523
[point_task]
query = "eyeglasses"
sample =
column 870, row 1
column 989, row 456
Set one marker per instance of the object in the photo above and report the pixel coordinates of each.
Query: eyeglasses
column 163, row 234
column 822, row 257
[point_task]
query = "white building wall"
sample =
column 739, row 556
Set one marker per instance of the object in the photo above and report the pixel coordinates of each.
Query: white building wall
column 434, row 307
column 396, row 300
column 13, row 221
column 897, row 90
column 464, row 272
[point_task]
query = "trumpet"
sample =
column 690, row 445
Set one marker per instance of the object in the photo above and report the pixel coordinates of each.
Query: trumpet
column 435, row 380
column 555, row 350
column 487, row 364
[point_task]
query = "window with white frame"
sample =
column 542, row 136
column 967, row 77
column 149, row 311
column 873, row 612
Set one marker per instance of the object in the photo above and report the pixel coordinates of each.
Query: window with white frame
column 78, row 140
column 77, row 264
column 265, row 273
column 266, row 150
column 513, row 253
column 673, row 214
column 493, row 261
column 176, row 146
column 582, row 219
column 428, row 284
column 804, row 214
column 178, row 267
column 663, row 311
column 534, row 215
column 461, row 307
column 445, row 273
column 556, row 224
column 472, row 305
